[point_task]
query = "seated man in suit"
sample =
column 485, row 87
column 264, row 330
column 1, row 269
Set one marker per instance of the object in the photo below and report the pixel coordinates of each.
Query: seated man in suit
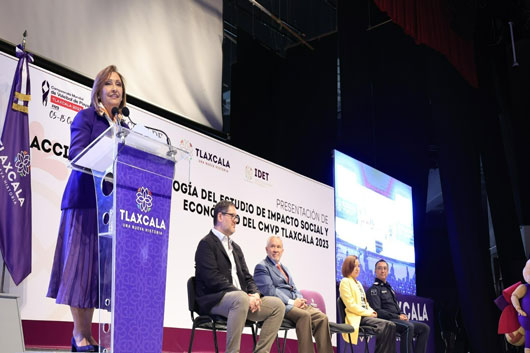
column 273, row 278
column 382, row 299
column 224, row 286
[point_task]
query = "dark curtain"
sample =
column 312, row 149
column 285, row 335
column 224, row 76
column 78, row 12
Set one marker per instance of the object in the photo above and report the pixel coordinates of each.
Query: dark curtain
column 428, row 22
column 393, row 87
column 500, row 191
column 385, row 108
column 457, row 119
column 284, row 107
column 397, row 99
column 502, row 131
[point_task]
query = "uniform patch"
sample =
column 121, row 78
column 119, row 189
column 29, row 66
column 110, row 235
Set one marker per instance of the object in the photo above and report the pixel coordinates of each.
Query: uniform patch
column 373, row 292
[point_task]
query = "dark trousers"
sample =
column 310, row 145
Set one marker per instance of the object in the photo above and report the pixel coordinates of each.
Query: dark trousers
column 385, row 334
column 410, row 329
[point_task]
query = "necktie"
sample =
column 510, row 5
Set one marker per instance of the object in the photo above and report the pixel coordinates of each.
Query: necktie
column 283, row 272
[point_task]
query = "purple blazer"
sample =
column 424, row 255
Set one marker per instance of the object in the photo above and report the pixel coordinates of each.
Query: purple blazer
column 79, row 191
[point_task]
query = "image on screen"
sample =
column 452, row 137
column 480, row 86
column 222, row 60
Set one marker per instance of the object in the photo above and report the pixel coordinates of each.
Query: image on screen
column 374, row 220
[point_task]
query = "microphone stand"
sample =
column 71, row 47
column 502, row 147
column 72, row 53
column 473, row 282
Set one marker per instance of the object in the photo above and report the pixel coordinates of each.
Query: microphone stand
column 3, row 276
column 172, row 151
column 121, row 133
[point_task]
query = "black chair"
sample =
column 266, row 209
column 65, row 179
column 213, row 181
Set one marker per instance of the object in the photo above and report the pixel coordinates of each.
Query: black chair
column 341, row 327
column 209, row 322
column 366, row 332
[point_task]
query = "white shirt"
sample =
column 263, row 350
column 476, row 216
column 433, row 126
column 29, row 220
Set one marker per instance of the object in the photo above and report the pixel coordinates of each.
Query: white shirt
column 227, row 244
column 364, row 304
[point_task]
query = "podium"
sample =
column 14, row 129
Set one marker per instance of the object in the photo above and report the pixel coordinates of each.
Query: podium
column 133, row 176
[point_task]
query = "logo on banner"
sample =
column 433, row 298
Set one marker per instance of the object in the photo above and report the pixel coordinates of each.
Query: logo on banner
column 140, row 220
column 22, row 163
column 62, row 104
column 257, row 176
column 45, row 91
column 65, row 99
column 414, row 310
column 213, row 160
column 186, row 146
column 8, row 176
column 144, row 199
column 249, row 171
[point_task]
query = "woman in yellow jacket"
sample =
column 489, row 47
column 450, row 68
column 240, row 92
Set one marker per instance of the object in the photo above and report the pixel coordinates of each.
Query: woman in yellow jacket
column 359, row 312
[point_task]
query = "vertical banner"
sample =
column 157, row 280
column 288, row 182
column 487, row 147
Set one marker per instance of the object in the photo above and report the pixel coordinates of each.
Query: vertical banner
column 15, row 177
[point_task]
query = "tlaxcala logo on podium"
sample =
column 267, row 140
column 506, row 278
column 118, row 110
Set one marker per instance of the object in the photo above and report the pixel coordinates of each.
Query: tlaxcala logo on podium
column 139, row 219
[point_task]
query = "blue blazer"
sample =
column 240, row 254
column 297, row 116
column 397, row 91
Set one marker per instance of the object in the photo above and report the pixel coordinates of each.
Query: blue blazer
column 271, row 281
column 79, row 191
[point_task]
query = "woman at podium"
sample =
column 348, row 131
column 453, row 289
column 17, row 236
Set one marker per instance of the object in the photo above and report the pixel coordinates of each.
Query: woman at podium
column 74, row 277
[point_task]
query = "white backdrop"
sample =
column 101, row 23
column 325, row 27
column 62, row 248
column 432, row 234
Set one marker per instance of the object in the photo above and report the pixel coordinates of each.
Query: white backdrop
column 303, row 207
column 170, row 51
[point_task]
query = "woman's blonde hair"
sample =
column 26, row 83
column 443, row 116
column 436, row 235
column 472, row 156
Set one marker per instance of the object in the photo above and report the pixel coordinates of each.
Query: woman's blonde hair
column 99, row 82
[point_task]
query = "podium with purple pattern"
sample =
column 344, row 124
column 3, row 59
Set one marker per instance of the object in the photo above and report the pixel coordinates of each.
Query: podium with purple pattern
column 133, row 177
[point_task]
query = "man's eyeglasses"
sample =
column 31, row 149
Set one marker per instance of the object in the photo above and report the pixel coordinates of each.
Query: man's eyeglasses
column 233, row 216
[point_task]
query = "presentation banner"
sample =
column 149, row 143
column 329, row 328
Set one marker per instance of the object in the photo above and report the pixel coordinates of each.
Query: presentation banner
column 419, row 309
column 271, row 200
column 416, row 309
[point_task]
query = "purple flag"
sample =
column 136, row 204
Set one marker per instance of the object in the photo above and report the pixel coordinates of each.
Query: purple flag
column 15, row 177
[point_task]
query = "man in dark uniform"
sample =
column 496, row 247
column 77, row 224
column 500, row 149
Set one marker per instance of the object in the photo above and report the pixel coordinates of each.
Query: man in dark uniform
column 382, row 299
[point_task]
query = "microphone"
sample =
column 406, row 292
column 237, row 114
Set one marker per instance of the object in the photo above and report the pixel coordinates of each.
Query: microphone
column 115, row 111
column 125, row 112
